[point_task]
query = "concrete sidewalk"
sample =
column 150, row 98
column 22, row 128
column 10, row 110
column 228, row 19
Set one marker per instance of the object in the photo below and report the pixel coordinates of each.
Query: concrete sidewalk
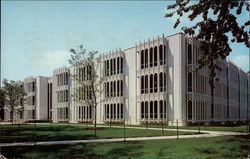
column 205, row 134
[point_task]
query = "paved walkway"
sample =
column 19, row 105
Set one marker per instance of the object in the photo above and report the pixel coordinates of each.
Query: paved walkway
column 205, row 134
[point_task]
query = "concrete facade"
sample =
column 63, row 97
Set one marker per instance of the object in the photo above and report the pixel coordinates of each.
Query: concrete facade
column 154, row 81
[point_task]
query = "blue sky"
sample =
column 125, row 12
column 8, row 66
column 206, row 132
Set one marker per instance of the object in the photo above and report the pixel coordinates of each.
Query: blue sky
column 36, row 36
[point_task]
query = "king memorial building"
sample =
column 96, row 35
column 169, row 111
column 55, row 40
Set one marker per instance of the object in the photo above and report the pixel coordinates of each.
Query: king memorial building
column 154, row 81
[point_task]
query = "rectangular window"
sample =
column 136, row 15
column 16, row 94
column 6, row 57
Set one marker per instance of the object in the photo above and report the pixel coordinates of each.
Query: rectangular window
column 108, row 111
column 118, row 111
column 33, row 100
column 33, row 114
column 142, row 110
column 33, row 86
column 122, row 111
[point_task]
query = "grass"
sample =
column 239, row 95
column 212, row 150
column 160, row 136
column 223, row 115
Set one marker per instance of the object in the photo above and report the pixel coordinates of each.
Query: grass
column 205, row 148
column 56, row 132
column 240, row 128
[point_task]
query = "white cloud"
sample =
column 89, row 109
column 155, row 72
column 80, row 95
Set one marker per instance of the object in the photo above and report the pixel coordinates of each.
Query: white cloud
column 52, row 59
column 242, row 61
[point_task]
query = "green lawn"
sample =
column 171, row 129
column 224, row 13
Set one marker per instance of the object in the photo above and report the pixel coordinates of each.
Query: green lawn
column 50, row 132
column 214, row 147
column 241, row 128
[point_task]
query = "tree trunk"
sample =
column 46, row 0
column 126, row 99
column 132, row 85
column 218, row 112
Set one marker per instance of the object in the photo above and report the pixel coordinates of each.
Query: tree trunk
column 95, row 121
column 211, row 82
column 12, row 117
column 212, row 101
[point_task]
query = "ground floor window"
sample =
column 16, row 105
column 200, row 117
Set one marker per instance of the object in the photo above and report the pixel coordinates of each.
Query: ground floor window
column 153, row 110
column 113, row 111
column 85, row 113
column 63, row 113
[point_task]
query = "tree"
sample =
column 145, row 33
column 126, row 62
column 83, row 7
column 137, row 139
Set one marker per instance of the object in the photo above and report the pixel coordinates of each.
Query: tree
column 13, row 97
column 213, row 30
column 2, row 98
column 90, row 84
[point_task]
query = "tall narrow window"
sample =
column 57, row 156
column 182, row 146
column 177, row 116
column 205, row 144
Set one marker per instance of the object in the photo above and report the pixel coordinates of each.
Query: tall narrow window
column 189, row 82
column 189, row 54
column 151, row 57
column 90, row 112
column 115, row 115
column 155, row 56
column 146, row 110
column 105, row 108
column 107, row 111
column 146, row 84
column 115, row 92
column 164, row 55
column 161, row 109
column 111, row 66
column 121, row 64
column 107, row 68
column 151, row 109
column 118, row 111
column 87, row 73
column 33, row 100
column 161, row 55
column 67, row 95
column 33, row 86
column 121, row 87
column 151, row 83
column 66, row 113
column 118, row 88
column 155, row 109
column 142, row 59
column 142, row 110
column 111, row 111
column 122, row 111
column 146, row 58
column 155, row 82
column 142, row 84
column 67, row 78
column 190, row 110
column 118, row 65
column 161, row 82
column 111, row 89
column 82, row 73
column 107, row 89
column 165, row 82
column 114, row 60
column 165, row 109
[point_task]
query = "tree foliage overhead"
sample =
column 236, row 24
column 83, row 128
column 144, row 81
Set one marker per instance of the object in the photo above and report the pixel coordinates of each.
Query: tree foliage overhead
column 219, row 17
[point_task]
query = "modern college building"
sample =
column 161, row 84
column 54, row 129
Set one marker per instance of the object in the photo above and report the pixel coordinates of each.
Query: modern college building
column 154, row 81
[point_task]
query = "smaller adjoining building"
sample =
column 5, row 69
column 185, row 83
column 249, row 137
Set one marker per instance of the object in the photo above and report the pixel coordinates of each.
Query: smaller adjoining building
column 35, row 101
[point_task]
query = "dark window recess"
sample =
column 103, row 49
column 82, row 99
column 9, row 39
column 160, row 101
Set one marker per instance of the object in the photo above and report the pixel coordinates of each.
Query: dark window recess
column 189, row 54
column 155, row 82
column 151, row 57
column 146, row 58
column 142, row 109
column 142, row 84
column 189, row 82
column 155, row 56
column 190, row 110
column 142, row 59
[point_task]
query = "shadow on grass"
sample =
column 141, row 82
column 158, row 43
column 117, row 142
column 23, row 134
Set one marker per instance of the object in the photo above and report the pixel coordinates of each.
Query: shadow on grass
column 125, row 149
